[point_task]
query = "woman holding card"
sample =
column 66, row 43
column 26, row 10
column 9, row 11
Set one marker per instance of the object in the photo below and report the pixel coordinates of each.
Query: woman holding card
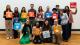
column 8, row 15
column 47, row 32
column 39, row 16
column 24, row 15
column 16, row 20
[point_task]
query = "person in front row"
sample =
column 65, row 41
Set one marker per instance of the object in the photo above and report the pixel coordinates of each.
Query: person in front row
column 46, row 32
column 57, row 32
column 25, row 35
column 37, row 34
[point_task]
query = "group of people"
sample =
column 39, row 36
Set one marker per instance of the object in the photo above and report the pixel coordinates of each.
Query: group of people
column 40, row 25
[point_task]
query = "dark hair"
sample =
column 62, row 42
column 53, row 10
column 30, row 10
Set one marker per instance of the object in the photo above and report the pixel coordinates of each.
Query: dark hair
column 23, row 10
column 8, row 9
column 57, row 5
column 67, row 10
column 31, row 4
column 54, row 9
column 16, row 11
column 40, row 9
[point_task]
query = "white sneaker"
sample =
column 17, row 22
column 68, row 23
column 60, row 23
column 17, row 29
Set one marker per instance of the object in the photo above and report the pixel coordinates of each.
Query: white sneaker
column 10, row 37
column 7, row 38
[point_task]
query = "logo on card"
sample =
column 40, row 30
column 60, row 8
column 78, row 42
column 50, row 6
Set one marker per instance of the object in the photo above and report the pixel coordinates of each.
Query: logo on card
column 31, row 14
column 9, row 15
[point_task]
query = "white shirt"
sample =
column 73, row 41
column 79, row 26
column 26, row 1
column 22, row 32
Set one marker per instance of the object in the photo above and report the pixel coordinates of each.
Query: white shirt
column 64, row 19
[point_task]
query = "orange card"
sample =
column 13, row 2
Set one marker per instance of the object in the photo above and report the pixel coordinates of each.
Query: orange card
column 31, row 14
column 9, row 15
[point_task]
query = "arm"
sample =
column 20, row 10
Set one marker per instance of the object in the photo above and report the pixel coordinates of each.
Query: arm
column 4, row 14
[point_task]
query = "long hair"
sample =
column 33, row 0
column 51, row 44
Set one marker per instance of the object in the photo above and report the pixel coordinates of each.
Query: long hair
column 40, row 9
column 8, row 8
column 67, row 10
column 23, row 9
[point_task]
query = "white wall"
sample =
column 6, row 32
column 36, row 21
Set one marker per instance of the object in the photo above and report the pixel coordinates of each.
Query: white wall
column 44, row 3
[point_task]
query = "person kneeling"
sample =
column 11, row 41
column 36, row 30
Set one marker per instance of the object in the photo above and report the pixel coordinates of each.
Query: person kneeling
column 37, row 34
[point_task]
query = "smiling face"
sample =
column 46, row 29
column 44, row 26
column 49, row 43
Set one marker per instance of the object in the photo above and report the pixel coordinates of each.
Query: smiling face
column 46, row 22
column 55, row 22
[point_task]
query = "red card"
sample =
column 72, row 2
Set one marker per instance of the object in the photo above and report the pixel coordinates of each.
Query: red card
column 9, row 15
column 73, row 4
column 31, row 14
column 54, row 16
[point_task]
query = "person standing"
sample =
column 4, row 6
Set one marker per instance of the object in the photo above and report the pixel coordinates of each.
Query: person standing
column 48, row 15
column 70, row 21
column 64, row 22
column 40, row 16
column 16, row 20
column 32, row 14
column 8, row 15
column 24, row 15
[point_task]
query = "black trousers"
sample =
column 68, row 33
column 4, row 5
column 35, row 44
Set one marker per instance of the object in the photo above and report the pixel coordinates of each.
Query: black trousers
column 37, row 40
column 15, row 34
column 65, row 32
column 69, row 29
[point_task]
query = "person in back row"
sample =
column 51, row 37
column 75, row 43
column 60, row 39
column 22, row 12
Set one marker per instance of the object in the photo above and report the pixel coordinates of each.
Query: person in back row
column 40, row 15
column 8, row 15
column 23, row 12
column 15, row 20
column 32, row 14
column 48, row 15
column 64, row 22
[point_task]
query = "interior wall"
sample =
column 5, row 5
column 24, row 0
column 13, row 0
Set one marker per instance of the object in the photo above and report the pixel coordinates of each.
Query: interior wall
column 43, row 3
